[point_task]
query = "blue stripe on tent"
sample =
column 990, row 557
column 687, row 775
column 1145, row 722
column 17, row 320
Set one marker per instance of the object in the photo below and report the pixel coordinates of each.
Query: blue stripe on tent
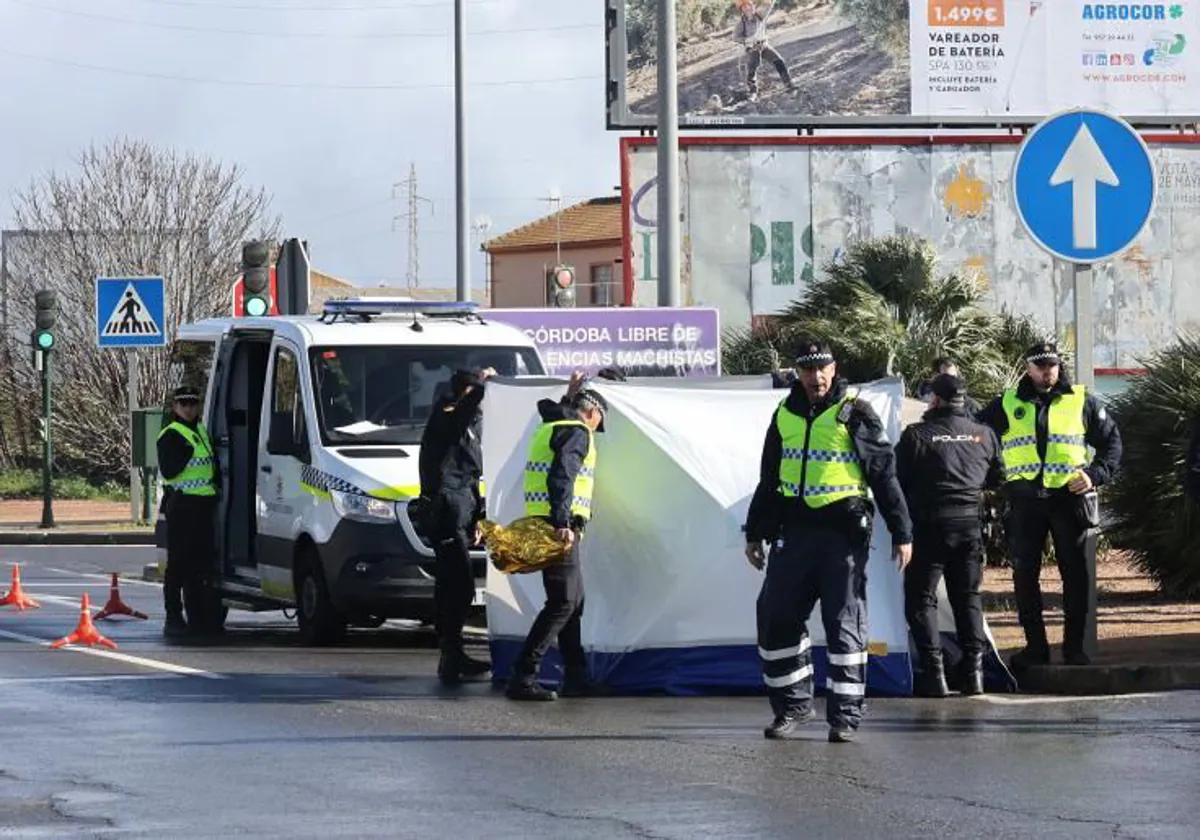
column 731, row 669
column 697, row 671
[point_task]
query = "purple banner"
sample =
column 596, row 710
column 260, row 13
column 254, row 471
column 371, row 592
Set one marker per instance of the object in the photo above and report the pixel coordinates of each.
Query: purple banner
column 639, row 342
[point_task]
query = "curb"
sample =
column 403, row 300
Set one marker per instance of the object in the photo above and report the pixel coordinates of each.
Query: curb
column 76, row 538
column 1109, row 679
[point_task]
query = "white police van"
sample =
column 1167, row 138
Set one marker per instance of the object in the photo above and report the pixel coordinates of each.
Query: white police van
column 317, row 423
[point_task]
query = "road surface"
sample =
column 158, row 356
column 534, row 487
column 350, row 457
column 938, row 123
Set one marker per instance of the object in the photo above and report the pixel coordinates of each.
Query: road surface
column 261, row 737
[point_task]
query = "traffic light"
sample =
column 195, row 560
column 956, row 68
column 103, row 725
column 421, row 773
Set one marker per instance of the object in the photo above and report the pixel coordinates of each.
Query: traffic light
column 45, row 318
column 562, row 286
column 43, row 428
column 256, row 278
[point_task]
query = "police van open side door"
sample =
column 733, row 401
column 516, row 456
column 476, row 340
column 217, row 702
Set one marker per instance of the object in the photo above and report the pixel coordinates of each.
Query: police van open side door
column 285, row 451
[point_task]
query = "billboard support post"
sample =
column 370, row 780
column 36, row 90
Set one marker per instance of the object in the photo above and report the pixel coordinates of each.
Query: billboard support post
column 668, row 158
column 462, row 226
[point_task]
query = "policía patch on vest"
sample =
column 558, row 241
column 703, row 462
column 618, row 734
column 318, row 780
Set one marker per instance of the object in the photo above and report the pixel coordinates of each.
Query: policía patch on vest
column 848, row 404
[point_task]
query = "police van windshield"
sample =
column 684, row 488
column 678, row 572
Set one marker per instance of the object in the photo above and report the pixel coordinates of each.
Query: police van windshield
column 383, row 395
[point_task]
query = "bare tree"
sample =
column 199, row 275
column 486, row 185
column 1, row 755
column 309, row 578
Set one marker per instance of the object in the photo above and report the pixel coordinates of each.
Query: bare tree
column 130, row 210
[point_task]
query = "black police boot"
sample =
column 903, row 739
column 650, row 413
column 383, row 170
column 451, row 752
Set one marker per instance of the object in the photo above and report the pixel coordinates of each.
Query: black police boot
column 970, row 675
column 454, row 666
column 841, row 735
column 175, row 626
column 528, row 689
column 1076, row 658
column 931, row 681
column 581, row 685
column 1029, row 656
column 787, row 725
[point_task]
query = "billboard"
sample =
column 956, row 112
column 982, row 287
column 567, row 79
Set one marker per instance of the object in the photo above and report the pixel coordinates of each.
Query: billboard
column 640, row 342
column 907, row 62
column 761, row 216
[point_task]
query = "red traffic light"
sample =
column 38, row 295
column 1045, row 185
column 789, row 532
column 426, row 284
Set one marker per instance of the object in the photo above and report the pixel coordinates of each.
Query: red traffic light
column 564, row 277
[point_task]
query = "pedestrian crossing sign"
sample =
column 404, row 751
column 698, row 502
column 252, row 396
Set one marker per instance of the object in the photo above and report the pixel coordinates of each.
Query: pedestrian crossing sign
column 130, row 312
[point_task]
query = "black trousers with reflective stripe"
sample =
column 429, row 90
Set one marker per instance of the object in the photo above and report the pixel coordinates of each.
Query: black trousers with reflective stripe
column 815, row 562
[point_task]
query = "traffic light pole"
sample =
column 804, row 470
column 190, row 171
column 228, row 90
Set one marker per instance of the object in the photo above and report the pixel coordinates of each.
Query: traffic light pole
column 47, row 447
column 668, row 158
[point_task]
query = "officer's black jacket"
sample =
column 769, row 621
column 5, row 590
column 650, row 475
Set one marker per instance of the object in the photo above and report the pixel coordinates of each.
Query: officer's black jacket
column 570, row 446
column 174, row 450
column 451, row 459
column 1101, row 433
column 769, row 508
column 945, row 462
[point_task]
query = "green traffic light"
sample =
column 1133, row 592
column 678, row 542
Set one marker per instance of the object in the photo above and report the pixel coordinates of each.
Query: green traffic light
column 256, row 307
column 45, row 340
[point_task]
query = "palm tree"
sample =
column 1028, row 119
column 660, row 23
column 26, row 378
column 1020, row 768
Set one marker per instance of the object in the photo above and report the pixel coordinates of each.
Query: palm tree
column 886, row 312
column 1150, row 515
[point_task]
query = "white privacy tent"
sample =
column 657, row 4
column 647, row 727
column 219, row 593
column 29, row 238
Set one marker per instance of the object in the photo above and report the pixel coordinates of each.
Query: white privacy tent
column 669, row 595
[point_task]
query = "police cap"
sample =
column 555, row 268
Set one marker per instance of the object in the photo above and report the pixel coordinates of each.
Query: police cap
column 1043, row 353
column 588, row 398
column 950, row 389
column 813, row 353
column 186, row 393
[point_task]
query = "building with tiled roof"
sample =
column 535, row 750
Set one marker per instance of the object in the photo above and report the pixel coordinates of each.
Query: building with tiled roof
column 325, row 287
column 585, row 236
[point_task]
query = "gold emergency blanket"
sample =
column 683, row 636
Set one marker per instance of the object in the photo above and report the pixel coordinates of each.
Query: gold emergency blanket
column 526, row 545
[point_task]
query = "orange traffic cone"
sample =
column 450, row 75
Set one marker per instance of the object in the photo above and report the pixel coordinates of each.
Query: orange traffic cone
column 116, row 606
column 16, row 596
column 86, row 633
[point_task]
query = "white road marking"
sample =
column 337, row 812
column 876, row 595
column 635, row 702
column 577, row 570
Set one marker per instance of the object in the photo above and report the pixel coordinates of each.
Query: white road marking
column 1003, row 700
column 168, row 667
column 106, row 578
column 29, row 584
column 88, row 679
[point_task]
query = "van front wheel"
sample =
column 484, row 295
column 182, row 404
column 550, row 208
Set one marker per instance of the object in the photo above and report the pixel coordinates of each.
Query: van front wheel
column 320, row 622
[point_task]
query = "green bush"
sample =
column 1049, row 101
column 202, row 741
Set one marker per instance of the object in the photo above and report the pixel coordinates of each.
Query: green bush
column 1151, row 518
column 27, row 484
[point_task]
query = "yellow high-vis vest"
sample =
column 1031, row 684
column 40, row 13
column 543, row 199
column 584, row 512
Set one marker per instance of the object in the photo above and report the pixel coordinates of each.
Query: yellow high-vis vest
column 199, row 477
column 820, row 463
column 537, row 468
column 1066, row 449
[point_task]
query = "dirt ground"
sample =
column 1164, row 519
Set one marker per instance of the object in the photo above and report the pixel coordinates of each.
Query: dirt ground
column 27, row 513
column 835, row 71
column 1135, row 624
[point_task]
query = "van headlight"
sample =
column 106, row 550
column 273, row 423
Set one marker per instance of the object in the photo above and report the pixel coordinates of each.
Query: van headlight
column 362, row 508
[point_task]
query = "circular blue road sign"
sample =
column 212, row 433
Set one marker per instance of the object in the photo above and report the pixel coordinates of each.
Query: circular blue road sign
column 1084, row 185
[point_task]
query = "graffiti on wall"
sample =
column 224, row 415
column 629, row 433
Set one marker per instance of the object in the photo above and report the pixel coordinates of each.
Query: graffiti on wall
column 759, row 222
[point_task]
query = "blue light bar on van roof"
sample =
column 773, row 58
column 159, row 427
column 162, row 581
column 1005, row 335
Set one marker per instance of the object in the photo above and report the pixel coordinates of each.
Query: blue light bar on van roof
column 392, row 306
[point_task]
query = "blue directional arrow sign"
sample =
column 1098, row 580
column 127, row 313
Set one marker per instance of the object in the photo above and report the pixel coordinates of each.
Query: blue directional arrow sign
column 130, row 312
column 1084, row 185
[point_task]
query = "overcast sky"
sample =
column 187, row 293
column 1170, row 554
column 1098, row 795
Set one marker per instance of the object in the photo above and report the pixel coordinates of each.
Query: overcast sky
column 325, row 103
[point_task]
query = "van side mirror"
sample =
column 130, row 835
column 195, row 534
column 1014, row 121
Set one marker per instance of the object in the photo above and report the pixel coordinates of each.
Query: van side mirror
column 281, row 439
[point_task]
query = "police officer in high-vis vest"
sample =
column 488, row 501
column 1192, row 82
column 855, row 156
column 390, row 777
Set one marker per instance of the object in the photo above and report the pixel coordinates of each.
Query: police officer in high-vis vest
column 824, row 448
column 190, row 474
column 560, row 470
column 1045, row 427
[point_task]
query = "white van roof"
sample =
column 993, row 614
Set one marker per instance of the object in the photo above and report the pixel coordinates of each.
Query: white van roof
column 375, row 321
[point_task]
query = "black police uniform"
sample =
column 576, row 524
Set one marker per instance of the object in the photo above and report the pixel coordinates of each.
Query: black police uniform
column 820, row 554
column 1035, row 512
column 562, row 614
column 451, row 466
column 191, row 537
column 944, row 463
